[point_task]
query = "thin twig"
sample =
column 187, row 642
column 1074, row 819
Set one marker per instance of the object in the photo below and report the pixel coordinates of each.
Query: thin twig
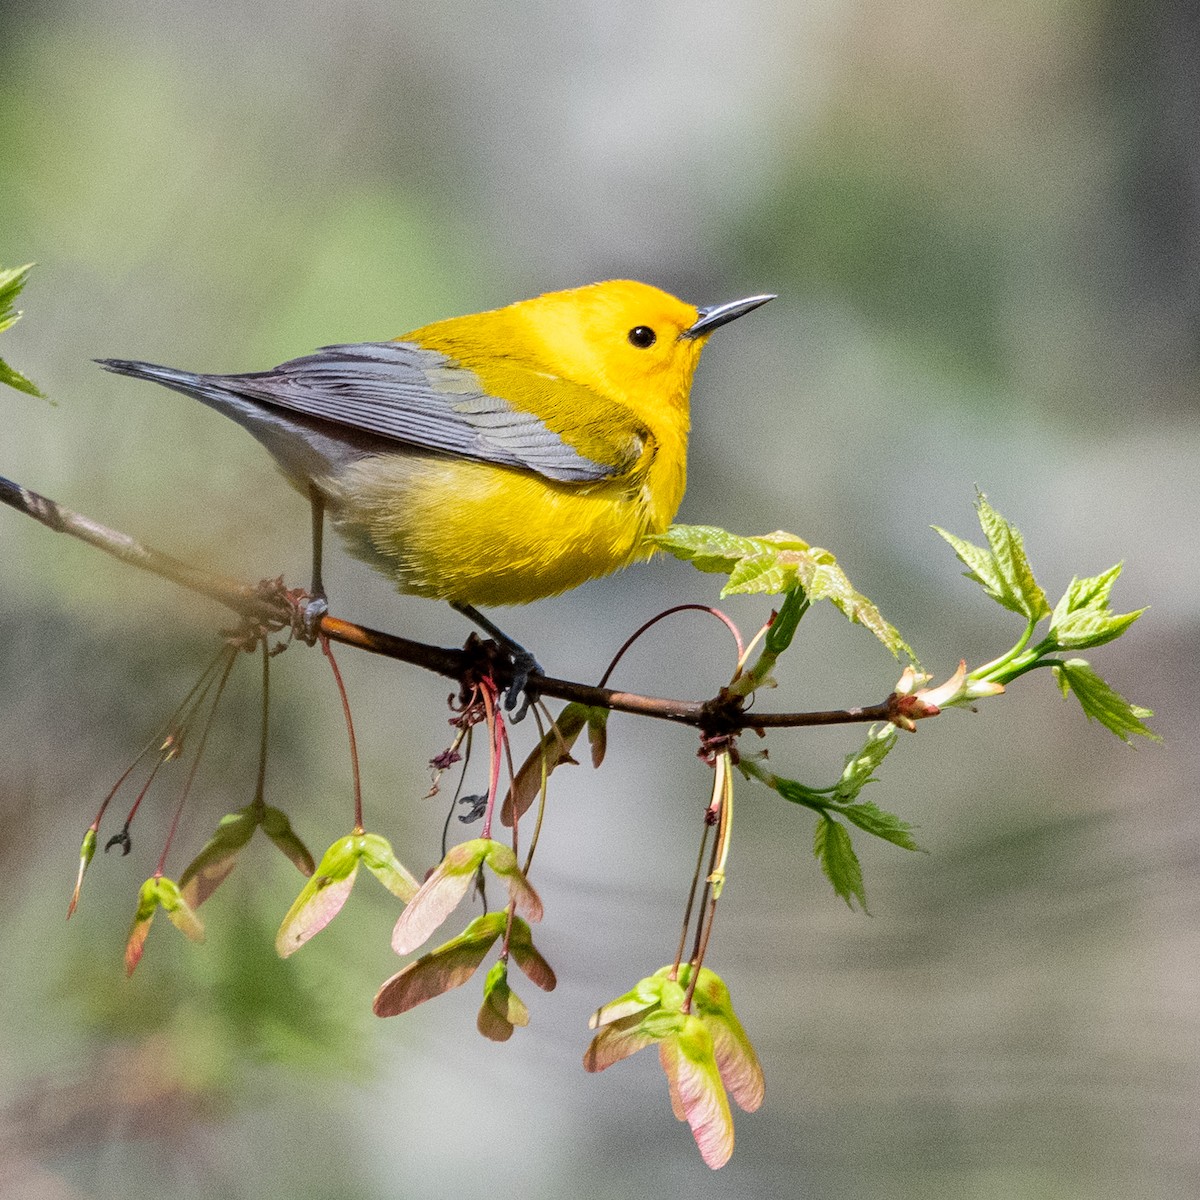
column 260, row 782
column 274, row 607
column 196, row 759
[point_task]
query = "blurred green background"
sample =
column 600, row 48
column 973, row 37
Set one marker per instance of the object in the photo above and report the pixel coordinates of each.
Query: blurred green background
column 983, row 222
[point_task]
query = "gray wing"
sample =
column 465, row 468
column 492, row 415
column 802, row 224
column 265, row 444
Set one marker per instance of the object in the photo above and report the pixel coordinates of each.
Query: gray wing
column 357, row 399
column 420, row 398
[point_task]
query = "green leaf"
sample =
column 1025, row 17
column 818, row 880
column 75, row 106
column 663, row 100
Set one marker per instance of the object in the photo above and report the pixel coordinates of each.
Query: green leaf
column 873, row 819
column 787, row 621
column 777, row 562
column 11, row 283
column 861, row 765
column 1082, row 618
column 858, row 772
column 1101, row 703
column 798, row 793
column 759, row 574
column 706, row 547
column 1083, row 630
column 1008, row 548
column 1090, row 592
column 795, row 793
column 22, row 383
column 981, row 567
column 1003, row 571
column 835, row 852
column 822, row 579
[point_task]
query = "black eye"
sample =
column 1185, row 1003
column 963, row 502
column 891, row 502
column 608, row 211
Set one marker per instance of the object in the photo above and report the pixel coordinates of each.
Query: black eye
column 642, row 336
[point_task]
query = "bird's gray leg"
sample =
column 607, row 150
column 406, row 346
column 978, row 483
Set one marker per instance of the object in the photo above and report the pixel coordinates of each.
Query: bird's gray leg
column 317, row 605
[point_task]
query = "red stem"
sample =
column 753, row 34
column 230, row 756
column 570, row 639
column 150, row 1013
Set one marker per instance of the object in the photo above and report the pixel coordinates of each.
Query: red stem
column 341, row 687
column 497, row 735
column 187, row 787
column 637, row 633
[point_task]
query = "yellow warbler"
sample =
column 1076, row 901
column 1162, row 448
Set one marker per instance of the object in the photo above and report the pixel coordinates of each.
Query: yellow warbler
column 488, row 459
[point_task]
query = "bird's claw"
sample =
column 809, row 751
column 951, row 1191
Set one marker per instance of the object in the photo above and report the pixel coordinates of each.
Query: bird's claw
column 523, row 666
column 521, row 663
column 308, row 618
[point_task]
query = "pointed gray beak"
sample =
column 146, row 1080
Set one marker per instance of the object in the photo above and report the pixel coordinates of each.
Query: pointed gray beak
column 714, row 315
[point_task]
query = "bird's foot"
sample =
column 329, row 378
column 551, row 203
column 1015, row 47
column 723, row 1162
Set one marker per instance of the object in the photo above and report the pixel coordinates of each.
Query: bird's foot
column 314, row 608
column 521, row 663
column 508, row 669
column 519, row 690
column 307, row 610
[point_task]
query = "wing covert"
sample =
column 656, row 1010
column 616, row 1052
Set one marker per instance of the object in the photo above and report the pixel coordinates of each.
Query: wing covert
column 420, row 398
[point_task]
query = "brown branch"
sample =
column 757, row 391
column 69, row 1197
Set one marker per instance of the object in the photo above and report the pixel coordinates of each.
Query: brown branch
column 272, row 606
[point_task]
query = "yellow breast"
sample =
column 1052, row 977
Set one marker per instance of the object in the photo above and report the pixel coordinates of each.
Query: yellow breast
column 473, row 533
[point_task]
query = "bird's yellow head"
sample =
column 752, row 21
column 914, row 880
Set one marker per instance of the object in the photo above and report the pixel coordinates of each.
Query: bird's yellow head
column 626, row 340
column 623, row 342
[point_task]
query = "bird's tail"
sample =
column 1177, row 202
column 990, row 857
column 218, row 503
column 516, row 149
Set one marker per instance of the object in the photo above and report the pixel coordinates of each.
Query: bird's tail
column 206, row 388
column 184, row 380
column 305, row 449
